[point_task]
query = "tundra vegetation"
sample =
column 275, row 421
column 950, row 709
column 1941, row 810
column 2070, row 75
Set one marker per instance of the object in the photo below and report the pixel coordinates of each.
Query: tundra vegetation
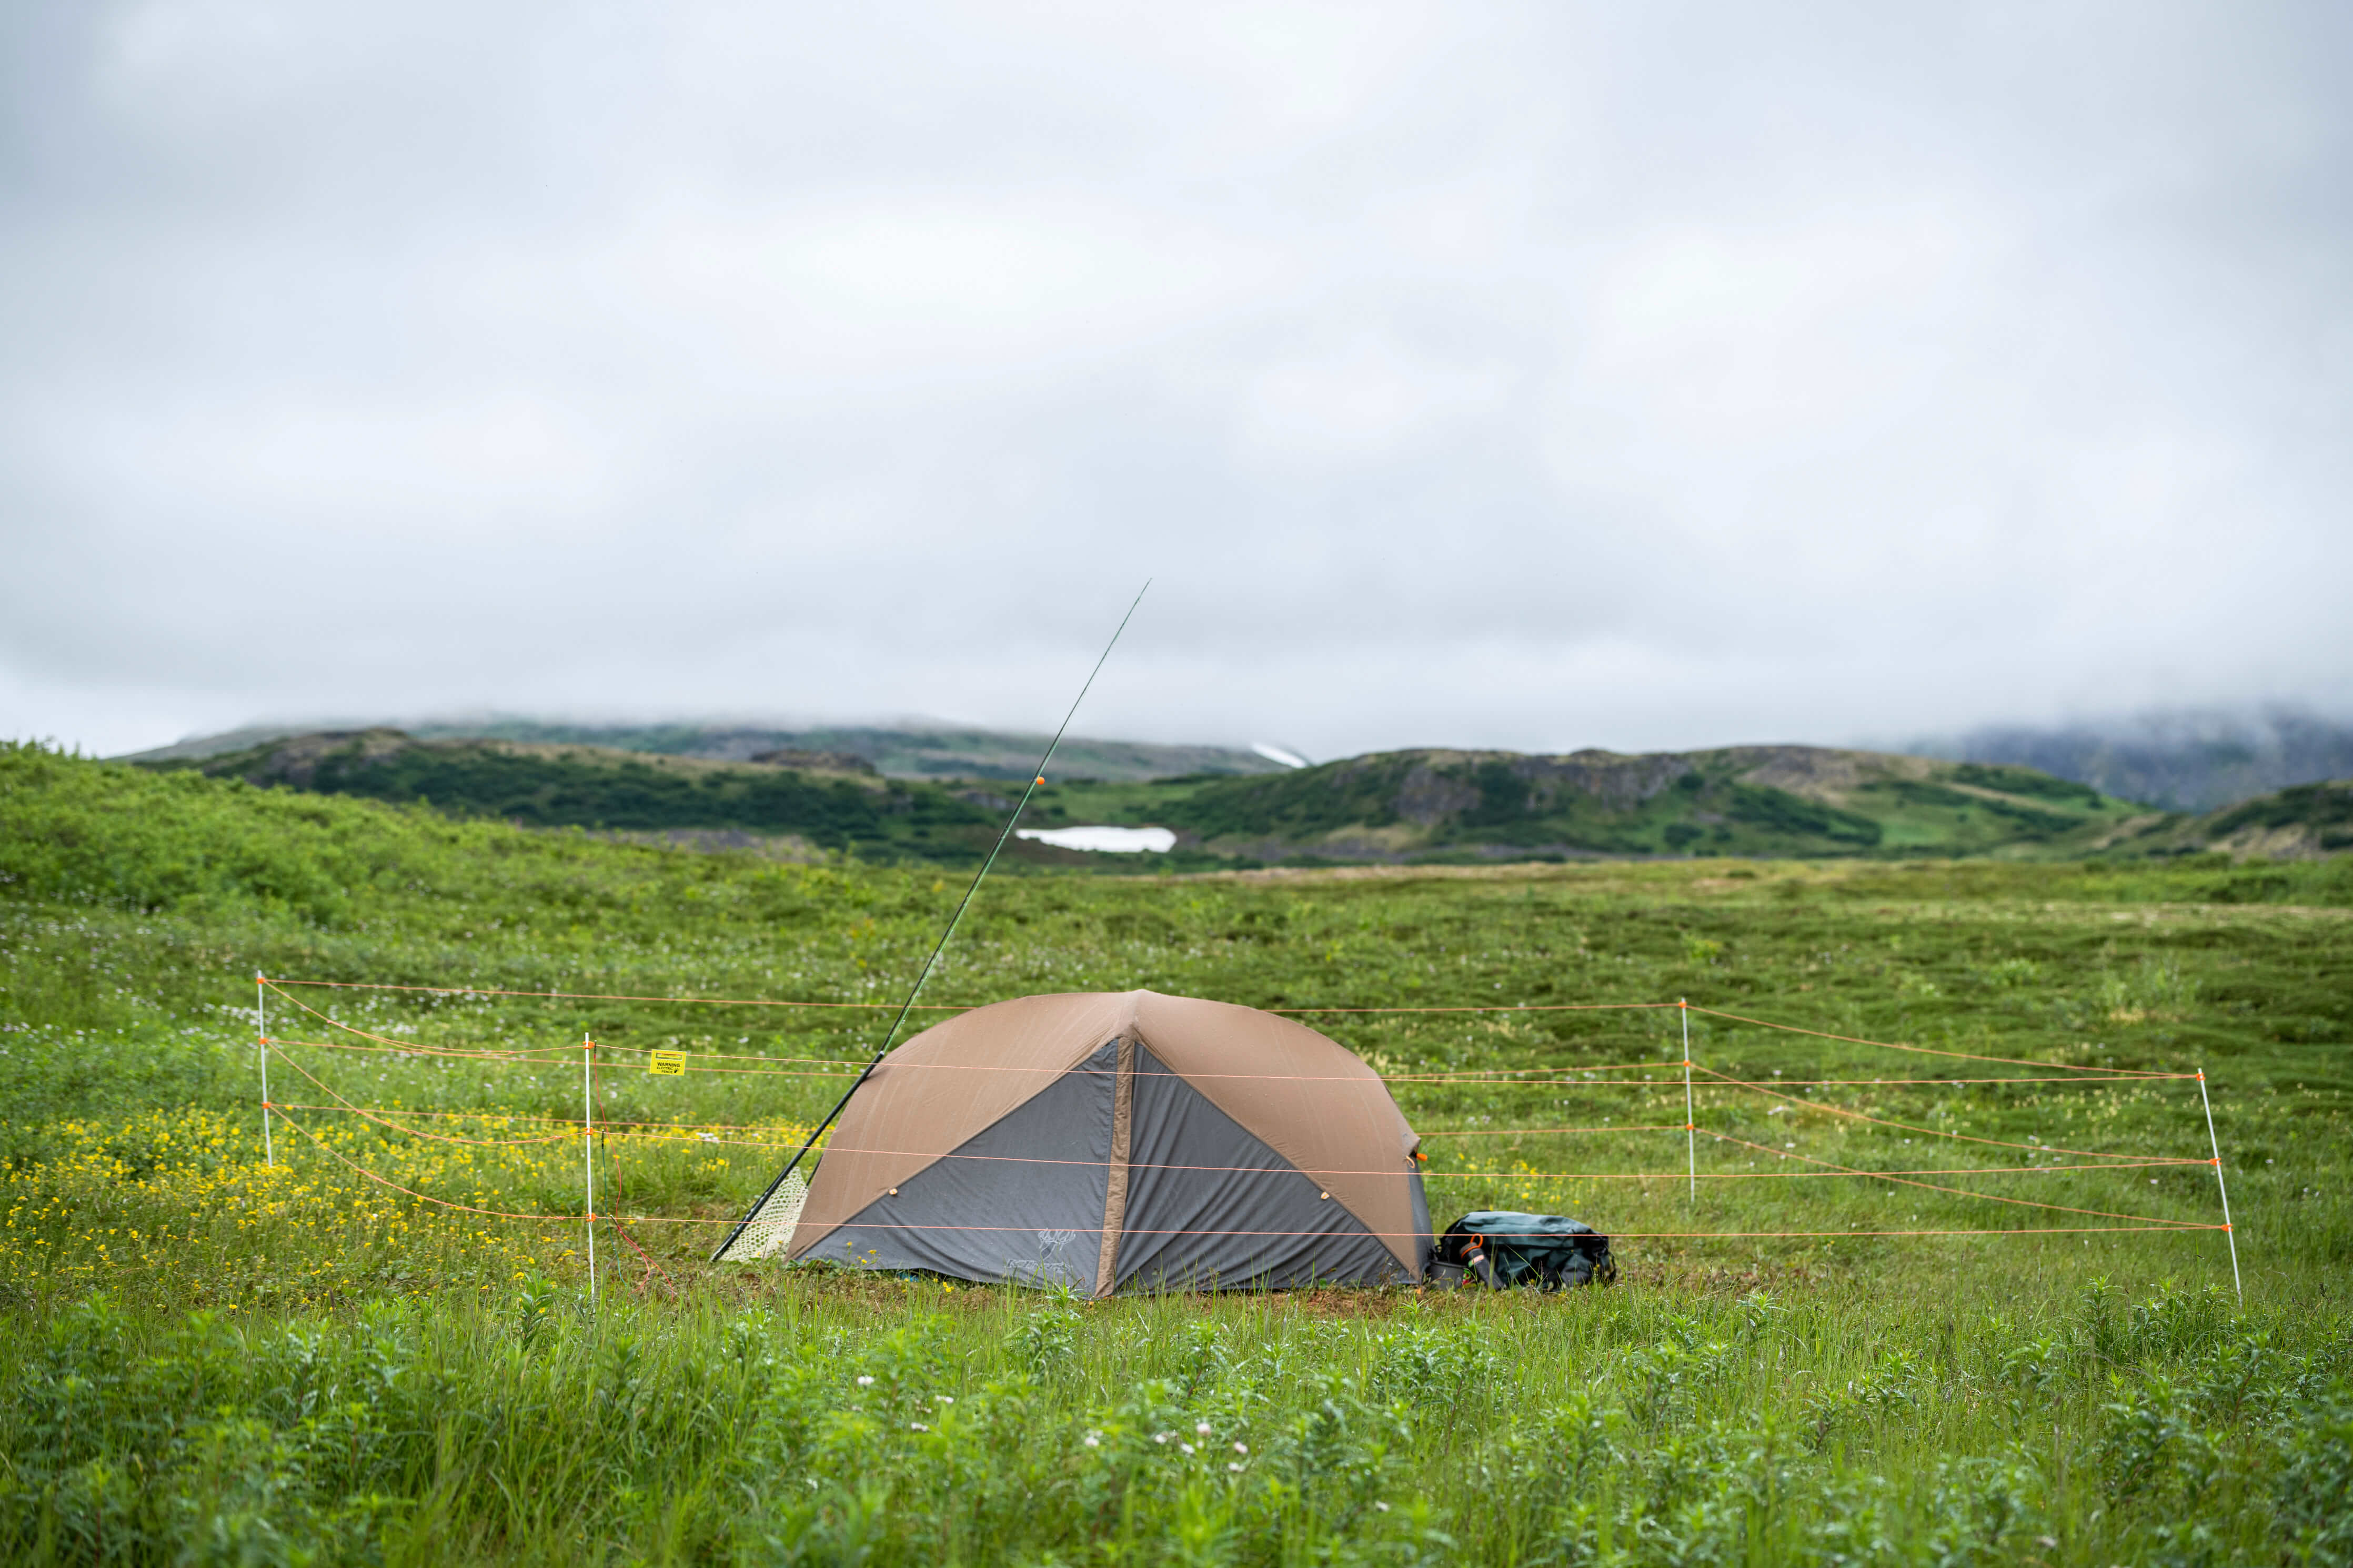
column 1419, row 807
column 209, row 1357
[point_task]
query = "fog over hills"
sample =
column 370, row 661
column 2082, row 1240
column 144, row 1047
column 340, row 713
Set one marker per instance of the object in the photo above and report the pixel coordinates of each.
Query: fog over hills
column 938, row 794
column 2188, row 760
column 2182, row 759
column 909, row 749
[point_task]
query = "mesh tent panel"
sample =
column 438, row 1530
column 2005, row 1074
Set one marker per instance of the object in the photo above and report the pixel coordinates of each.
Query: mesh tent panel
column 769, row 1231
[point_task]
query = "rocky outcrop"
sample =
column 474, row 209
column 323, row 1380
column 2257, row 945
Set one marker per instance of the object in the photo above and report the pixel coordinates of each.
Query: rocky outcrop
column 816, row 761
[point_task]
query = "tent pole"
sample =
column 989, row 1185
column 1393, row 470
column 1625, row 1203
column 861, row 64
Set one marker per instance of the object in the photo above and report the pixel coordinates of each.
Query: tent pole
column 2220, row 1186
column 1691, row 1122
column 907, row 1006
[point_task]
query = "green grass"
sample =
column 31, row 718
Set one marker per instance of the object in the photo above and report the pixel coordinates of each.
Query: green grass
column 207, row 1358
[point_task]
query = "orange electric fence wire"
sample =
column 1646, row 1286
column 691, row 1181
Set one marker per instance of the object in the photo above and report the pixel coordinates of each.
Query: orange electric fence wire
column 403, row 1044
column 2142, row 1225
column 1757, row 1085
column 412, row 1191
column 499, row 1057
column 695, row 1131
column 1515, row 1131
column 663, row 1132
column 517, row 1059
column 652, row 1268
column 1760, row 1086
column 1905, row 1126
column 570, row 1121
column 680, row 1135
column 1504, row 1078
column 1927, row 1082
column 1614, row 1235
column 1936, row 1187
column 981, row 1067
column 2067, row 1071
column 1777, row 1176
column 1796, row 1235
column 1499, row 1076
column 925, row 1006
column 659, row 1132
column 1481, row 1007
column 1932, row 1051
column 1494, row 1008
column 1826, row 1167
column 606, row 996
column 412, row 1132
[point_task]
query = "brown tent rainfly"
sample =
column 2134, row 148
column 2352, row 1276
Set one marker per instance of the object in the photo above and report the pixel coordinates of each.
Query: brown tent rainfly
column 1107, row 1141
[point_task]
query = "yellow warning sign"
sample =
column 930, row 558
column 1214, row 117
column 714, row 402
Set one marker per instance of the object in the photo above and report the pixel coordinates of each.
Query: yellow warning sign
column 668, row 1063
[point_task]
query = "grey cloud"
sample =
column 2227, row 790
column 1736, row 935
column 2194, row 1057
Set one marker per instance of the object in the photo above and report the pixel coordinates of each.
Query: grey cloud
column 1529, row 376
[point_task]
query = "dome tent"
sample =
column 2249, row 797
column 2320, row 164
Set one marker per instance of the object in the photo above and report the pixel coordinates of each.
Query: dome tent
column 1103, row 1141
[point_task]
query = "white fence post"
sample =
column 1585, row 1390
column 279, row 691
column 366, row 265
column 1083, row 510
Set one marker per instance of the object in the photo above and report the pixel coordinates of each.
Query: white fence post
column 588, row 1154
column 261, row 1055
column 2220, row 1186
column 1691, row 1122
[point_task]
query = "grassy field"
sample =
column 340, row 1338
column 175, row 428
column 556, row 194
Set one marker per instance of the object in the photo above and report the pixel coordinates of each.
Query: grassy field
column 208, row 1357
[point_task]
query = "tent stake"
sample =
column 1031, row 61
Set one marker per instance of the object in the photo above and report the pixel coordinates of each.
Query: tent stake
column 2220, row 1186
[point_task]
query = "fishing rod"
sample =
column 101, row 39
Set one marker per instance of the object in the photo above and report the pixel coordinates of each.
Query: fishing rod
column 1037, row 777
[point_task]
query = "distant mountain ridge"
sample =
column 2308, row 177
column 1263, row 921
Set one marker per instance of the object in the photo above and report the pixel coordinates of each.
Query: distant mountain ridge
column 905, row 752
column 2180, row 760
column 844, row 806
column 1797, row 801
column 1428, row 806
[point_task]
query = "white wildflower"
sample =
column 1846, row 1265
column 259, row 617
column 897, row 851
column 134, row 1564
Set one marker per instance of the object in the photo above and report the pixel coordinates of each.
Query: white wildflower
column 865, row 1381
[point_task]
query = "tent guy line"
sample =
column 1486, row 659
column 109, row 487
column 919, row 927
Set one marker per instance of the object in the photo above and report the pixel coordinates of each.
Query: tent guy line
column 1011, row 819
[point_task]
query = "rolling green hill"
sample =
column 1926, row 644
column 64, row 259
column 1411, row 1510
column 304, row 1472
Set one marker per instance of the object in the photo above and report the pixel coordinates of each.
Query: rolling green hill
column 2297, row 823
column 844, row 806
column 1395, row 807
column 1798, row 801
column 911, row 750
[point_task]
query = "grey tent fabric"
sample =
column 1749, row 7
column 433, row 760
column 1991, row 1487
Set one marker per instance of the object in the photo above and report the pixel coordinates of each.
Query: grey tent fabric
column 1211, row 1206
column 1129, row 1140
column 995, row 1208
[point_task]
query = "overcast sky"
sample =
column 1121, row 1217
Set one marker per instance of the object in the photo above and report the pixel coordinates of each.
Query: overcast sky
column 1535, row 376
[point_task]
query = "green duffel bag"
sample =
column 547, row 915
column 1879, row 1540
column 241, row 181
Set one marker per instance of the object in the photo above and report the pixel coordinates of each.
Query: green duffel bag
column 1502, row 1249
